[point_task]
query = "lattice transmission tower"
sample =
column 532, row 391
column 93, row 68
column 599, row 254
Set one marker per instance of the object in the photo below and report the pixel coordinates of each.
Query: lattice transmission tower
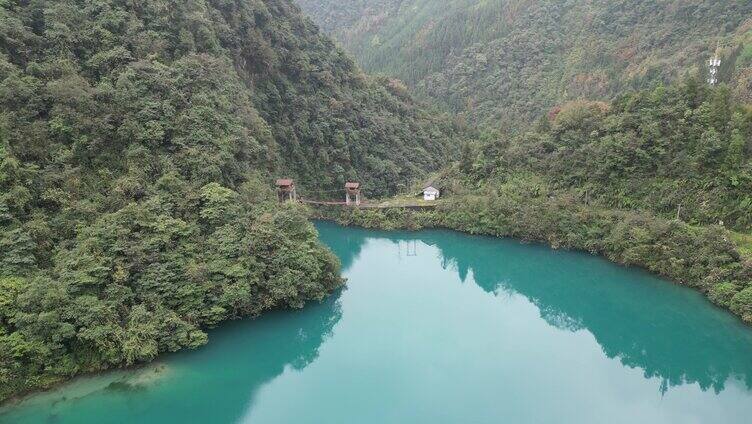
column 713, row 65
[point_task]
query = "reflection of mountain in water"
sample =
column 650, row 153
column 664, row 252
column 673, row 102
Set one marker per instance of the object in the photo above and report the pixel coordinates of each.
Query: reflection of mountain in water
column 670, row 332
column 216, row 383
column 347, row 245
column 267, row 346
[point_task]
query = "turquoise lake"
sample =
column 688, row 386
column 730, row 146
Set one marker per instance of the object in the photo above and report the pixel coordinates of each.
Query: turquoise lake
column 441, row 327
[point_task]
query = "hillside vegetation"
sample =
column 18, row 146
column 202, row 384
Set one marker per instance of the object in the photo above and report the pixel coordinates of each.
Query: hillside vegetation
column 683, row 150
column 610, row 179
column 503, row 63
column 139, row 141
column 138, row 145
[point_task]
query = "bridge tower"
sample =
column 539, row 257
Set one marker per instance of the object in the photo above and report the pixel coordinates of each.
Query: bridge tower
column 286, row 190
column 352, row 193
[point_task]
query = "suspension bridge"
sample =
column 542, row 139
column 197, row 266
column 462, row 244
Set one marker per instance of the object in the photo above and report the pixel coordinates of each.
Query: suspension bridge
column 287, row 192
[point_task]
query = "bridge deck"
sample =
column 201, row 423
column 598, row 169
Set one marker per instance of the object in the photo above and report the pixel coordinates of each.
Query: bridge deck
column 365, row 205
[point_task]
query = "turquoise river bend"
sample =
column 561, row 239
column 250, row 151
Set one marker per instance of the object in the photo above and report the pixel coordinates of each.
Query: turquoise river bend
column 440, row 327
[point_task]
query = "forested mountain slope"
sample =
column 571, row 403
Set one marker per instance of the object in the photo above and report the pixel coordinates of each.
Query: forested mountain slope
column 683, row 149
column 506, row 62
column 656, row 179
column 138, row 145
column 660, row 179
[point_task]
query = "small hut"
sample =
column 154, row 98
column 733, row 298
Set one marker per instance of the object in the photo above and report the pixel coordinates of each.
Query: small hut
column 286, row 190
column 431, row 193
column 352, row 193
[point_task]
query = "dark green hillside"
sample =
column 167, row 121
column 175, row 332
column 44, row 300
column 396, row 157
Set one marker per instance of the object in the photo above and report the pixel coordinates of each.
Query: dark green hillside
column 323, row 119
column 683, row 149
column 506, row 62
column 138, row 143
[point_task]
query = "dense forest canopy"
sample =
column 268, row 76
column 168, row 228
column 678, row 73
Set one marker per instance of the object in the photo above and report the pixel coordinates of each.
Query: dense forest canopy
column 682, row 149
column 506, row 62
column 138, row 144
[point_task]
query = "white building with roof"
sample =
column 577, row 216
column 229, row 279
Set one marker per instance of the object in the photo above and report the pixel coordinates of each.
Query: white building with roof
column 431, row 193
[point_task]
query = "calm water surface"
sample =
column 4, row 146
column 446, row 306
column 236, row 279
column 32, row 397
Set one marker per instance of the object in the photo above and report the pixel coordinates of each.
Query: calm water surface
column 439, row 327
